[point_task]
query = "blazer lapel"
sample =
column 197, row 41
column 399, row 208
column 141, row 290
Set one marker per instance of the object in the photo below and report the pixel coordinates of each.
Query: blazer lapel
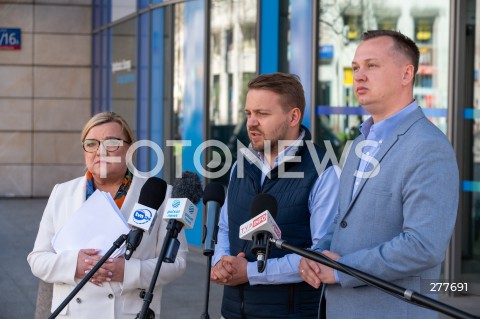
column 79, row 195
column 348, row 178
column 401, row 129
column 132, row 196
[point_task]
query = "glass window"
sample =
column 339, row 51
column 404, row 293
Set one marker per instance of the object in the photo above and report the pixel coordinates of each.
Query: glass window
column 232, row 66
column 353, row 26
column 143, row 91
column 122, row 8
column 123, row 70
column 157, row 80
column 424, row 30
column 387, row 23
column 188, row 92
column 96, row 73
column 470, row 161
column 341, row 24
column 105, row 71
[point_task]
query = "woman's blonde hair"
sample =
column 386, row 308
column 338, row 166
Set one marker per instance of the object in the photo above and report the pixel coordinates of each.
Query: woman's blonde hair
column 107, row 117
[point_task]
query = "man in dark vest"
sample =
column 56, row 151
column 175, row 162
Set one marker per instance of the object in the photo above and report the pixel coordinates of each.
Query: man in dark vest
column 282, row 148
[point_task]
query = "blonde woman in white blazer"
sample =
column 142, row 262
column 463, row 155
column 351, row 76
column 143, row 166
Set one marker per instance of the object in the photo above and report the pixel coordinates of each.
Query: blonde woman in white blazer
column 114, row 291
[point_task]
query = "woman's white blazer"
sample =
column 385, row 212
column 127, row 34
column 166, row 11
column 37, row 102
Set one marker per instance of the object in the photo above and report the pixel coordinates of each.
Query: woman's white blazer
column 119, row 300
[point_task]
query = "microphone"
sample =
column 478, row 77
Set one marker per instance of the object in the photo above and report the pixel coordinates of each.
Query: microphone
column 213, row 199
column 180, row 210
column 261, row 227
column 144, row 213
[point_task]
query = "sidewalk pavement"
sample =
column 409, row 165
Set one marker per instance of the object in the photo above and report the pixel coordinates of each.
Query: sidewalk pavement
column 182, row 299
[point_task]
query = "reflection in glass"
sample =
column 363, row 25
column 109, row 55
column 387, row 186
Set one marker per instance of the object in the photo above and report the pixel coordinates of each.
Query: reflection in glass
column 123, row 71
column 471, row 218
column 157, row 83
column 122, row 8
column 188, row 91
column 471, row 238
column 188, row 83
column 178, row 85
column 341, row 24
column 232, row 65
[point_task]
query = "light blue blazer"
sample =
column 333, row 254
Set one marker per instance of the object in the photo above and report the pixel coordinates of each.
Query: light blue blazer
column 398, row 224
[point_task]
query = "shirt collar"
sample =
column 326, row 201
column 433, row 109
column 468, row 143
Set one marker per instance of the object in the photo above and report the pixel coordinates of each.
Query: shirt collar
column 281, row 157
column 381, row 130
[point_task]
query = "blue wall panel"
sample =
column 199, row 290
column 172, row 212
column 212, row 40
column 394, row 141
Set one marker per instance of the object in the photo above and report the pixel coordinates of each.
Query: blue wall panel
column 106, row 71
column 301, row 49
column 142, row 109
column 269, row 26
column 156, row 83
column 192, row 121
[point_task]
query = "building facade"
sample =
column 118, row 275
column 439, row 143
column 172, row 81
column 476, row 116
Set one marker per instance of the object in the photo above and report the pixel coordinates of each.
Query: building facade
column 177, row 71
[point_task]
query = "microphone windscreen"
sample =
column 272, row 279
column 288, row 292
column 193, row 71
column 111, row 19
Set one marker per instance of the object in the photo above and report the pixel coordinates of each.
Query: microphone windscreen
column 153, row 193
column 263, row 202
column 188, row 186
column 214, row 191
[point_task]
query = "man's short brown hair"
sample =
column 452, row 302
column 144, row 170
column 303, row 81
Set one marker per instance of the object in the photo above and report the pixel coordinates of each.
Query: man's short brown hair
column 288, row 86
column 402, row 44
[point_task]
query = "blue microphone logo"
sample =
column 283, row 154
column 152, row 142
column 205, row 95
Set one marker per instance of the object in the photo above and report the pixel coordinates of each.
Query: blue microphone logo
column 176, row 203
column 142, row 216
column 191, row 209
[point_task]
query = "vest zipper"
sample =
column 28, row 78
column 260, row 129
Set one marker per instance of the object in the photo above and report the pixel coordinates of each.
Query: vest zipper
column 242, row 296
column 291, row 305
column 242, row 303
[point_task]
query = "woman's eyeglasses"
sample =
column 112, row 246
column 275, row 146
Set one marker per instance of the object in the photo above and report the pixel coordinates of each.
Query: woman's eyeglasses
column 111, row 145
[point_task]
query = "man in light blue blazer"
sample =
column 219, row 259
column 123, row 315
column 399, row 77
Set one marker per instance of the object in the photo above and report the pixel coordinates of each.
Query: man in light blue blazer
column 398, row 195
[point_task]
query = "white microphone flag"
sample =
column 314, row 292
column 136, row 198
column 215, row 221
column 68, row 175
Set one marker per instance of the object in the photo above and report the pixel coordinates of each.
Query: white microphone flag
column 181, row 209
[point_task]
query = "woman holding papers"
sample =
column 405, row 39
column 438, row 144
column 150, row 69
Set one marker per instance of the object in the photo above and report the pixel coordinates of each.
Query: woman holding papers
column 114, row 291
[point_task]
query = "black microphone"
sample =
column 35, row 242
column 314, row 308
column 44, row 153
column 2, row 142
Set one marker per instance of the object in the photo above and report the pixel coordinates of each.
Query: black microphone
column 213, row 199
column 189, row 186
column 144, row 213
column 261, row 227
column 180, row 209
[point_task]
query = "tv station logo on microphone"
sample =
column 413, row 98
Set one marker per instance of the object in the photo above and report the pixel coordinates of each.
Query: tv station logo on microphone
column 181, row 209
column 259, row 219
column 262, row 222
column 142, row 216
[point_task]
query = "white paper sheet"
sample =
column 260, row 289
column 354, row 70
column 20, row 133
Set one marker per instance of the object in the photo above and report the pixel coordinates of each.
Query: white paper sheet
column 96, row 224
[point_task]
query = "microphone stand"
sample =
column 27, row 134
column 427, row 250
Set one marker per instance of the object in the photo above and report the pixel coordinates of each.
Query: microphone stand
column 120, row 240
column 168, row 254
column 407, row 295
column 205, row 314
column 208, row 253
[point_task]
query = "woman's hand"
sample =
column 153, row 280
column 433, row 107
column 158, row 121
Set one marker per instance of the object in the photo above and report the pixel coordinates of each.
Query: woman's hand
column 85, row 261
column 112, row 270
column 115, row 268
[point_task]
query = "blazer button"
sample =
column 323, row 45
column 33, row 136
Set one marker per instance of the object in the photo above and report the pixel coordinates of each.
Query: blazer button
column 110, row 296
column 343, row 224
column 78, row 300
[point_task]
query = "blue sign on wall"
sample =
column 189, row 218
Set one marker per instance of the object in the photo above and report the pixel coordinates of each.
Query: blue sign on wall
column 326, row 52
column 10, row 39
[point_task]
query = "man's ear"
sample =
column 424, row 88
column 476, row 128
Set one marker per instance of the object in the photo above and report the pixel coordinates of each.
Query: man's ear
column 295, row 116
column 408, row 74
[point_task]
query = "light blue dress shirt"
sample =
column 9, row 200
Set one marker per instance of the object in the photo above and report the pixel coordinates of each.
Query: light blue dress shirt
column 323, row 206
column 376, row 133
